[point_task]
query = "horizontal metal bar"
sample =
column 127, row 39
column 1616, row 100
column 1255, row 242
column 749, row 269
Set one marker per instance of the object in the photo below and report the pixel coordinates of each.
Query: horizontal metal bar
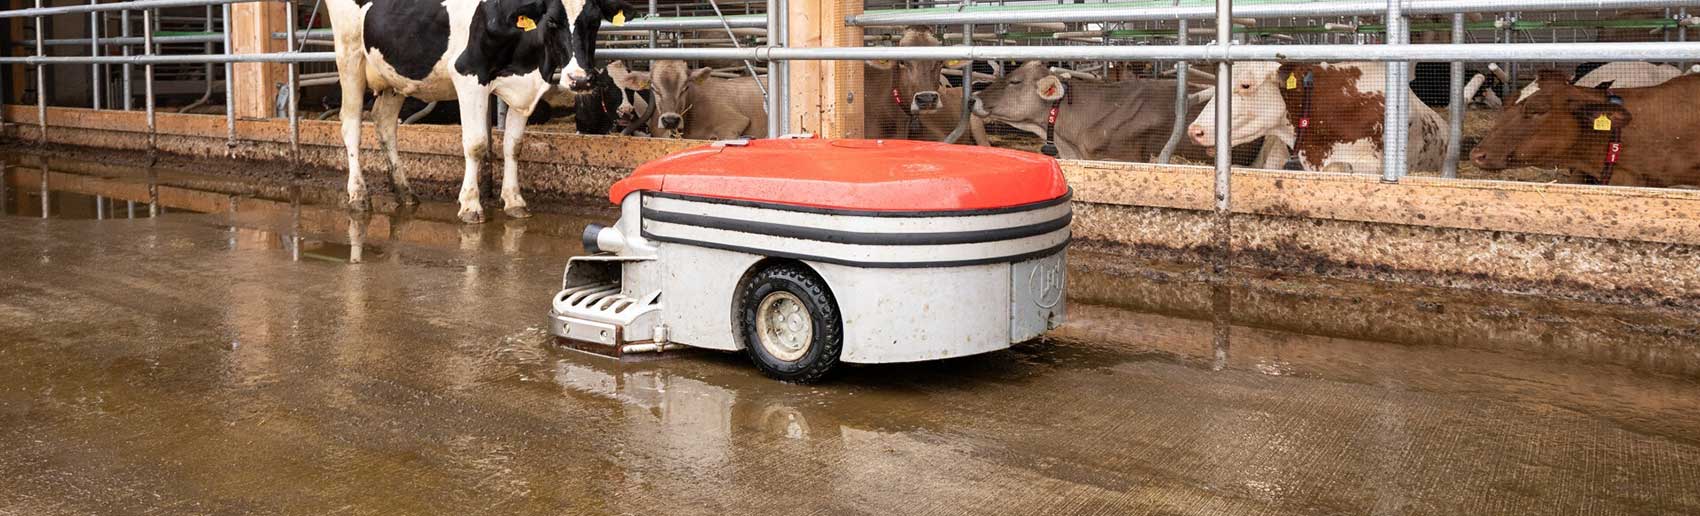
column 743, row 21
column 1656, row 51
column 132, row 40
column 132, row 5
column 1148, row 10
column 277, row 57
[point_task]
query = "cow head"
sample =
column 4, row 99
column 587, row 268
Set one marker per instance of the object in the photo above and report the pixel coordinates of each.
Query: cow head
column 1022, row 98
column 513, row 37
column 918, row 81
column 633, row 107
column 1558, row 125
column 587, row 17
column 672, row 84
column 1258, row 107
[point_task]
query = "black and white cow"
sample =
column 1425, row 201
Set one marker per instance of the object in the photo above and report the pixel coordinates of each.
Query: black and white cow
column 463, row 50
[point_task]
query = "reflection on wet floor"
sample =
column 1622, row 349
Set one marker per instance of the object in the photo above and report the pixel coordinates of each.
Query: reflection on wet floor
column 209, row 357
column 41, row 201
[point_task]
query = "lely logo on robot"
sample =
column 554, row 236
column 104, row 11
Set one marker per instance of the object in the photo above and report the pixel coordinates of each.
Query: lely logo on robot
column 1046, row 282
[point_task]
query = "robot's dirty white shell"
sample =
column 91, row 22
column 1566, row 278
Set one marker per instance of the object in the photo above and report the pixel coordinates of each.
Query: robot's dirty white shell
column 809, row 252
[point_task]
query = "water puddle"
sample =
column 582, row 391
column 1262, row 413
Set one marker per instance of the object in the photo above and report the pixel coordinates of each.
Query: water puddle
column 21, row 197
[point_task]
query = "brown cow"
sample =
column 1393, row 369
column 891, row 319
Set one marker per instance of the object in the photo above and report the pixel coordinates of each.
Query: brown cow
column 915, row 92
column 1129, row 120
column 1563, row 125
column 692, row 104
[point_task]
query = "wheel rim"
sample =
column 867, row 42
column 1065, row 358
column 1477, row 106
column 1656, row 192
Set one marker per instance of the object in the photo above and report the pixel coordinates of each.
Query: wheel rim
column 783, row 326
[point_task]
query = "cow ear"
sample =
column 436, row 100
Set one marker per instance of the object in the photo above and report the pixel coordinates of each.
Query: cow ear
column 1050, row 88
column 1604, row 116
column 616, row 11
column 700, row 74
column 880, row 64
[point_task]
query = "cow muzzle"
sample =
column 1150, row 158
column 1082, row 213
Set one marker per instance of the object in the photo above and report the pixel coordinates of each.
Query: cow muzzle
column 926, row 101
column 1485, row 161
column 576, row 77
column 672, row 120
column 1201, row 135
column 980, row 107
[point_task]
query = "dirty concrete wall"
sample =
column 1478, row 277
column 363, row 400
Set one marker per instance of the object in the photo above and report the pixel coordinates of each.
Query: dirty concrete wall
column 1613, row 244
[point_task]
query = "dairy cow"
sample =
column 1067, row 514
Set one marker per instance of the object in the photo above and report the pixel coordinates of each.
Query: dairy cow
column 694, row 104
column 1127, row 120
column 1625, row 74
column 615, row 102
column 1329, row 113
column 921, row 106
column 463, row 50
column 1623, row 137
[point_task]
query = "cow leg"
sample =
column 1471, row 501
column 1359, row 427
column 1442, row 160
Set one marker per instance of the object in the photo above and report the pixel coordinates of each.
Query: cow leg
column 350, row 71
column 977, row 128
column 474, row 136
column 386, row 115
column 512, row 133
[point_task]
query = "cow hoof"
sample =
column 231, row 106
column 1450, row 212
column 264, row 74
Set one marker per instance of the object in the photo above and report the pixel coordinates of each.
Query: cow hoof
column 472, row 217
column 359, row 205
column 517, row 212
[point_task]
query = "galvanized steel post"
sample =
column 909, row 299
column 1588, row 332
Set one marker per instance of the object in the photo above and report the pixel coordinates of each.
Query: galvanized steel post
column 229, row 88
column 1224, row 147
column 966, row 121
column 1176, row 133
column 294, row 83
column 147, row 82
column 94, row 50
column 124, row 32
column 1455, row 106
column 40, row 78
column 1394, row 116
column 651, row 12
column 773, row 96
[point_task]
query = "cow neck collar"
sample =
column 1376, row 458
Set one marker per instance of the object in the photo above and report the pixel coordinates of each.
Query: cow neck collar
column 1308, row 83
column 1050, row 147
column 1614, row 146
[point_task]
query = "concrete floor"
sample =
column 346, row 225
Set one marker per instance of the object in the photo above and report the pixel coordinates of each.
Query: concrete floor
column 237, row 362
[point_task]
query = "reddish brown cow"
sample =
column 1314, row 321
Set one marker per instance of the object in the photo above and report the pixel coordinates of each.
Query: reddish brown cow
column 1572, row 127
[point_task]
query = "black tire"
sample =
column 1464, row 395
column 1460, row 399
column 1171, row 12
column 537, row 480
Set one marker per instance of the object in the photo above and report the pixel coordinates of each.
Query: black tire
column 826, row 340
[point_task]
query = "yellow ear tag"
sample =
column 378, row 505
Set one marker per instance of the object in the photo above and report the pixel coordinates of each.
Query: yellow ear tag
column 619, row 18
column 525, row 22
column 1292, row 81
column 1603, row 123
column 643, row 85
column 953, row 63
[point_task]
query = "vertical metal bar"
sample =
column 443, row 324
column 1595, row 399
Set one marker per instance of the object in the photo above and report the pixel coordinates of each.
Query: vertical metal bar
column 229, row 88
column 124, row 31
column 1682, row 32
column 294, row 83
column 40, row 78
column 773, row 99
column 784, row 40
column 1455, row 106
column 94, row 51
column 651, row 12
column 966, row 120
column 1393, row 139
column 99, row 207
column 1224, row 147
column 130, row 209
column 147, row 81
column 1181, row 121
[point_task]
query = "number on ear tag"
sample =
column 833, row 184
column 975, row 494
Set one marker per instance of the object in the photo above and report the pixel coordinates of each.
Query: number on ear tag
column 1292, row 81
column 619, row 18
column 525, row 22
column 1602, row 123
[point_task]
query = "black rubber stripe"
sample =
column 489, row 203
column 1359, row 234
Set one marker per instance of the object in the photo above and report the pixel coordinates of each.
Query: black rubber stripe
column 871, row 265
column 855, row 237
column 867, row 213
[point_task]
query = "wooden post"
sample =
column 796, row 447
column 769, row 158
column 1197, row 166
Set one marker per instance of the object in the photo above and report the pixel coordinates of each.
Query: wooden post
column 826, row 96
column 256, row 84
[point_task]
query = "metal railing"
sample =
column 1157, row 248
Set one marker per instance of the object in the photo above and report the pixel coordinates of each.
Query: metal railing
column 1223, row 52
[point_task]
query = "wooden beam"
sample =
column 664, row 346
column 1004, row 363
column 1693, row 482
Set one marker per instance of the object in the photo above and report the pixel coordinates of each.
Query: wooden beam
column 252, row 25
column 822, row 92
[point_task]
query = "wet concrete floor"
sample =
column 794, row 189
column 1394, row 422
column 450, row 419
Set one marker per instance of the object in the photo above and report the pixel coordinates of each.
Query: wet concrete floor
column 250, row 349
